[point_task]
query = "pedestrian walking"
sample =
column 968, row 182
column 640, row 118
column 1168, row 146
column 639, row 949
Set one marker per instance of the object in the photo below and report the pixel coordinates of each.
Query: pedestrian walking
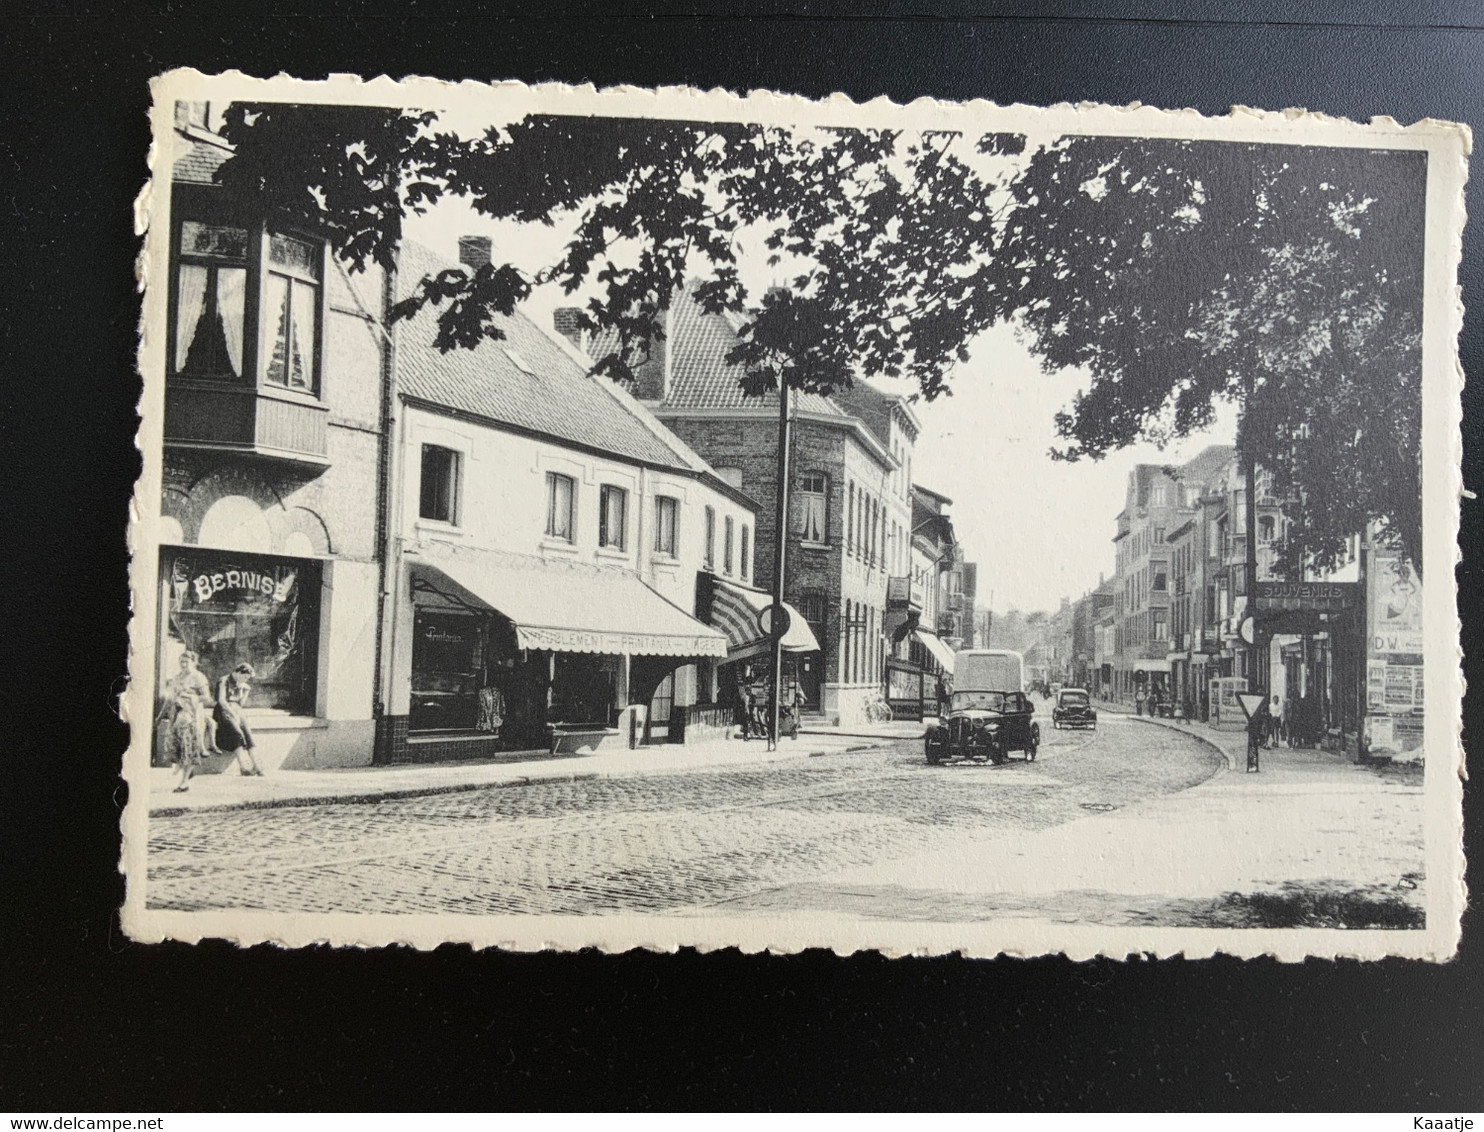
column 1275, row 724
column 233, row 736
column 1139, row 701
column 185, row 715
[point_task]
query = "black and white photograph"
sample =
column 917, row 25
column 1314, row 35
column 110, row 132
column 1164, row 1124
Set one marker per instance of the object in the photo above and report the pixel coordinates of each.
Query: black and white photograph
column 660, row 518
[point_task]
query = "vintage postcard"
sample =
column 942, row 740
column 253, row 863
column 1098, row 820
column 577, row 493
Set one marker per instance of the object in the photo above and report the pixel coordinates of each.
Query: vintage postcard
column 636, row 518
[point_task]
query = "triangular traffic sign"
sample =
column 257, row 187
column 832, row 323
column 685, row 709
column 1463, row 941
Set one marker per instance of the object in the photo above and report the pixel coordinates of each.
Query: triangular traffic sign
column 1250, row 702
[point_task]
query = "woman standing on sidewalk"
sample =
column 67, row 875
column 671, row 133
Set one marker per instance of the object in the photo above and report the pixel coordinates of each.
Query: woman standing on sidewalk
column 232, row 733
column 190, row 696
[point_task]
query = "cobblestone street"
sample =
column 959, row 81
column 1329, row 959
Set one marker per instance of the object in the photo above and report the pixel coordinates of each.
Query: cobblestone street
column 670, row 841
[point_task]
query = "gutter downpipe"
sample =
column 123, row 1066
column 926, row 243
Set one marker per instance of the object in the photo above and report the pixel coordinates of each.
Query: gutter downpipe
column 386, row 567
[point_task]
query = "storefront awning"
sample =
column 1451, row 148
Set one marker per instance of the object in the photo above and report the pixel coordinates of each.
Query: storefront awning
column 934, row 644
column 734, row 611
column 1151, row 666
column 571, row 606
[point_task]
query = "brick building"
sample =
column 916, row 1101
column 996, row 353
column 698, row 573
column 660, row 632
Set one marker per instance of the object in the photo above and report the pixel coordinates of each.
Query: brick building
column 850, row 526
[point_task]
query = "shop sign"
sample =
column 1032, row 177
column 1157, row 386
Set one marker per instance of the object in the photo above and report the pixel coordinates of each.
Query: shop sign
column 1309, row 597
column 234, row 583
column 636, row 644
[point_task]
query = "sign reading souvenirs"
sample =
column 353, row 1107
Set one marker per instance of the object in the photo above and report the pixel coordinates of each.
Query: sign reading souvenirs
column 1315, row 597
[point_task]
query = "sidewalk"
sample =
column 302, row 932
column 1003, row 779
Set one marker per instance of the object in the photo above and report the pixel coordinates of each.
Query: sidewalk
column 231, row 791
column 1311, row 835
column 896, row 729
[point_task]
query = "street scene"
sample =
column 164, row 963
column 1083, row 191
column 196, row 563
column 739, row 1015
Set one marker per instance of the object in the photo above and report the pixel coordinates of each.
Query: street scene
column 869, row 829
column 563, row 510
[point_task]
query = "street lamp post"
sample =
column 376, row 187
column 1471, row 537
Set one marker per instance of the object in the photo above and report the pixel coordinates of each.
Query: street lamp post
column 779, row 626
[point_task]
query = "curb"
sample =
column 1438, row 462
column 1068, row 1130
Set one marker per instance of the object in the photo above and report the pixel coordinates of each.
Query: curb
column 859, row 735
column 1226, row 756
column 365, row 797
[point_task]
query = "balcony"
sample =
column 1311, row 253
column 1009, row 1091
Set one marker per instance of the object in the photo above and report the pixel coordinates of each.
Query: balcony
column 903, row 593
column 254, row 421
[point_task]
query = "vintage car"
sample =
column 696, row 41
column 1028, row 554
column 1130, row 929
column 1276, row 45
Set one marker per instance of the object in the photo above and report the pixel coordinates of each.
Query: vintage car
column 1073, row 709
column 984, row 726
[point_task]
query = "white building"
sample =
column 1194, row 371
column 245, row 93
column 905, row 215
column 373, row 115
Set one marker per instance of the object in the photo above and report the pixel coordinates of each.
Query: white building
column 555, row 544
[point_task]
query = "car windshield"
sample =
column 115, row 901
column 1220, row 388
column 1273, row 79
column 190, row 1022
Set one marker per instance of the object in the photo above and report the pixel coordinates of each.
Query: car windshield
column 1073, row 699
column 987, row 701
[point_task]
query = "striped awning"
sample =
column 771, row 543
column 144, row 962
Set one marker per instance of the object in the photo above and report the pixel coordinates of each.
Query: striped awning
column 934, row 645
column 734, row 610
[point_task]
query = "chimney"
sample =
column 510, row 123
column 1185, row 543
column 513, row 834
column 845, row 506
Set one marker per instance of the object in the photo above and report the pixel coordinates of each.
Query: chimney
column 567, row 321
column 475, row 251
column 651, row 374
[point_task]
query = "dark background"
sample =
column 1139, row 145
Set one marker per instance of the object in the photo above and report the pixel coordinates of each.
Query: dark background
column 90, row 1021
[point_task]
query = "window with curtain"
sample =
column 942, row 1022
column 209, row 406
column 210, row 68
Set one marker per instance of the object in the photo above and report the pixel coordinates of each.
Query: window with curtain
column 291, row 294
column 710, row 545
column 210, row 300
column 745, row 564
column 612, row 517
column 560, row 492
column 813, row 497
column 666, row 523
column 726, row 545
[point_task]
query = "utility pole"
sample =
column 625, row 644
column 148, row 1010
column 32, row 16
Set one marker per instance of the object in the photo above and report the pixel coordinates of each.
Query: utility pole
column 780, row 540
column 1256, row 666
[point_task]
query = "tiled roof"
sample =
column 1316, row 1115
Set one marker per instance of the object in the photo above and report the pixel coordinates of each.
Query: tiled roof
column 700, row 377
column 197, row 160
column 552, row 395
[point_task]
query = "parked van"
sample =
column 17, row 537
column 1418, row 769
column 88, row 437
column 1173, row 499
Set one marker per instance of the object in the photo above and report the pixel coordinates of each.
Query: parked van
column 988, row 670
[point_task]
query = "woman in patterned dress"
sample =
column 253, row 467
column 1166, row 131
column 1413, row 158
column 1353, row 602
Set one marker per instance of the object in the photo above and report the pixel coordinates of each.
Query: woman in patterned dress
column 190, row 696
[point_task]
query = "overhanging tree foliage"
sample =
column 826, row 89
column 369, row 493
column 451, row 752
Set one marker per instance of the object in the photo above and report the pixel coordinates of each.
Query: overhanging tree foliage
column 1177, row 273
column 1286, row 279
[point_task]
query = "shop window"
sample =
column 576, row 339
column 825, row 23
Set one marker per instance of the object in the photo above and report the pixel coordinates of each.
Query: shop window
column 448, row 659
column 210, row 300
column 745, row 563
column 613, row 503
column 440, row 485
column 560, row 494
column 726, row 545
column 666, row 525
column 710, row 545
column 291, row 290
column 813, row 495
column 232, row 609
